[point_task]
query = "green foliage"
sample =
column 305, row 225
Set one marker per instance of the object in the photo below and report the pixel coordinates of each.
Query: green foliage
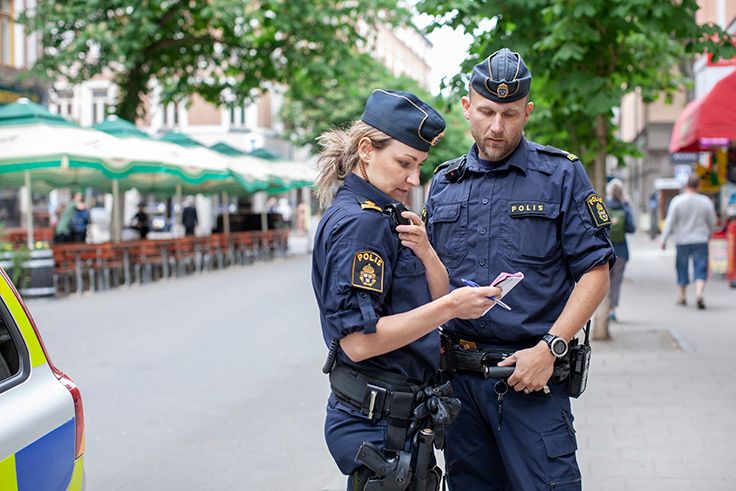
column 311, row 109
column 585, row 55
column 224, row 50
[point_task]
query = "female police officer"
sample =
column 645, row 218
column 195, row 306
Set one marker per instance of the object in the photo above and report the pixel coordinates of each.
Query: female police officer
column 380, row 286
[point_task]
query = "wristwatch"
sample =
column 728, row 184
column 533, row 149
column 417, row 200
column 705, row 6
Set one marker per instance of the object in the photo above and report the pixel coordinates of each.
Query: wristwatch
column 557, row 345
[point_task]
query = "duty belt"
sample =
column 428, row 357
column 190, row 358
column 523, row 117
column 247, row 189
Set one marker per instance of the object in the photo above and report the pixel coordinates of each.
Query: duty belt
column 475, row 356
column 377, row 399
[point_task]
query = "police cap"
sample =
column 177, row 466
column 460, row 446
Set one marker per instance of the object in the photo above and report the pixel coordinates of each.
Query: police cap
column 502, row 77
column 403, row 116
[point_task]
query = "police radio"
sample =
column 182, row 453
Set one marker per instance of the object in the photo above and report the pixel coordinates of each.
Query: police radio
column 394, row 210
column 579, row 365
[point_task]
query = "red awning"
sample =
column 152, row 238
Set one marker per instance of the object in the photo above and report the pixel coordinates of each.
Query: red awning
column 708, row 121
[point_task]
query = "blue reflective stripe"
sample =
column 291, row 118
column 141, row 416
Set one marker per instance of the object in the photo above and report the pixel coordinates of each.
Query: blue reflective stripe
column 48, row 462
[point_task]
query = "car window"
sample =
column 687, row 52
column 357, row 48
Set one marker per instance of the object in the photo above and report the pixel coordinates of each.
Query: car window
column 9, row 359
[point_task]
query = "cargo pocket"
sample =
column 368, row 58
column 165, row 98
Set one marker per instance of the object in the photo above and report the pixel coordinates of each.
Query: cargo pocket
column 560, row 447
column 449, row 224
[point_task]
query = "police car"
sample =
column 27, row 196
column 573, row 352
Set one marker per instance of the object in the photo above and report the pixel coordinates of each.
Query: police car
column 41, row 415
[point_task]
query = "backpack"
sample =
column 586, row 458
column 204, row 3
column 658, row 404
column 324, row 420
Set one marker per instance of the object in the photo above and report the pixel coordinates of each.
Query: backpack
column 618, row 225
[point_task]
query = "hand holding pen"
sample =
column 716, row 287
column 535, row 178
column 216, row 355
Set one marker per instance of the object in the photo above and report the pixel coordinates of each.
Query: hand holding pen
column 476, row 285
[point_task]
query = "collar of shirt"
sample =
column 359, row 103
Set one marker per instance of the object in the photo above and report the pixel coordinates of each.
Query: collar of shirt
column 518, row 159
column 364, row 190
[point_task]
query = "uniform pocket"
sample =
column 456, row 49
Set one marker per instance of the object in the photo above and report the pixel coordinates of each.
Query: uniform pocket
column 562, row 469
column 449, row 223
column 407, row 264
column 534, row 234
column 559, row 443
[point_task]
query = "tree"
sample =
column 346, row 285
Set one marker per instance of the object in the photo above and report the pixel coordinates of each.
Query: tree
column 585, row 55
column 224, row 50
column 311, row 110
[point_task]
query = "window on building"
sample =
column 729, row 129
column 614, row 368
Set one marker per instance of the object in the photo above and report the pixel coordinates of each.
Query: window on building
column 99, row 105
column 237, row 116
column 62, row 102
column 6, row 32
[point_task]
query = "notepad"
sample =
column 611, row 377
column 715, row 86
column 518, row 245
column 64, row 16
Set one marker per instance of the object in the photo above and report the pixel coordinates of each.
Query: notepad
column 507, row 281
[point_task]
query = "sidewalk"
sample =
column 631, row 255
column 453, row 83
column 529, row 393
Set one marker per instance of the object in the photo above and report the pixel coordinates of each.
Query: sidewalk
column 658, row 413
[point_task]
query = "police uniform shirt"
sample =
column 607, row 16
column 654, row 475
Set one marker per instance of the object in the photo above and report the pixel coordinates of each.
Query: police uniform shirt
column 360, row 272
column 536, row 212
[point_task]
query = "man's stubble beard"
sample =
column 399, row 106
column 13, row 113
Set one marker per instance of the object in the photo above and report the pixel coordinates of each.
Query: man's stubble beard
column 495, row 154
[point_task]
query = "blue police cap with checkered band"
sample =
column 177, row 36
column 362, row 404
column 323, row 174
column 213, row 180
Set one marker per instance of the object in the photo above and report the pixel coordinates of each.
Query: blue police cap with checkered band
column 502, row 77
column 405, row 117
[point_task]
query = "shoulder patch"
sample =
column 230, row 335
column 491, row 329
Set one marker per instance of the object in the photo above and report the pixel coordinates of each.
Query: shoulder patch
column 368, row 271
column 370, row 205
column 597, row 210
column 572, row 157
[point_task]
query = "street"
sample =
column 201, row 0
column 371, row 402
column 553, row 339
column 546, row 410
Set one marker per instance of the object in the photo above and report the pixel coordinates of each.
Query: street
column 214, row 382
column 207, row 382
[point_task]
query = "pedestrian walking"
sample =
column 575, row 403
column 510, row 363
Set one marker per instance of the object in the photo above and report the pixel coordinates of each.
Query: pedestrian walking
column 622, row 223
column 189, row 216
column 513, row 205
column 691, row 219
column 80, row 219
column 382, row 292
column 62, row 230
column 141, row 222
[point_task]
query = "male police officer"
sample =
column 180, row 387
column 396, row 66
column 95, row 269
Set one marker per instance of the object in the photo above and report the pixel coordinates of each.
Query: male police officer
column 513, row 205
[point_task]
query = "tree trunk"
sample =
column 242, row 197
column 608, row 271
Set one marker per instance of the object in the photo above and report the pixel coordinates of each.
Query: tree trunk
column 132, row 86
column 600, row 317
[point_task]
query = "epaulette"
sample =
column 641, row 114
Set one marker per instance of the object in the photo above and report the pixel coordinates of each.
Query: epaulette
column 556, row 151
column 366, row 204
column 456, row 169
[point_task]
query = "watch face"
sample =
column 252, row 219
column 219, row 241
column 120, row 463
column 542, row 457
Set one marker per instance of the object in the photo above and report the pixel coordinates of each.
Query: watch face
column 559, row 347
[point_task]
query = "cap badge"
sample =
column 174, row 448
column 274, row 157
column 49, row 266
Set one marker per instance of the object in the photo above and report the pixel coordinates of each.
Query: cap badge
column 502, row 90
column 437, row 139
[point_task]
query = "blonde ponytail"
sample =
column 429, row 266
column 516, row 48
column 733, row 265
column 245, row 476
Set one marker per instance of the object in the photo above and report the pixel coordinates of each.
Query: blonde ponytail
column 339, row 156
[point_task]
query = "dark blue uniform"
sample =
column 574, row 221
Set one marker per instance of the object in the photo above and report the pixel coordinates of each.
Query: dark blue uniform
column 360, row 273
column 535, row 212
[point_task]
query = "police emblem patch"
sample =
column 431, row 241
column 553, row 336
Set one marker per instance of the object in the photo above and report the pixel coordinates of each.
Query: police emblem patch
column 598, row 211
column 502, row 90
column 368, row 271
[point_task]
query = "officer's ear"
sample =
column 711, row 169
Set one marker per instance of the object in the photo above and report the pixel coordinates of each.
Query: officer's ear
column 365, row 149
column 528, row 110
column 466, row 105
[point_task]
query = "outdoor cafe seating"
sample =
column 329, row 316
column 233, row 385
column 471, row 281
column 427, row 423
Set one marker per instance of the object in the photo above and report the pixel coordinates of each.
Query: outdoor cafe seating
column 93, row 267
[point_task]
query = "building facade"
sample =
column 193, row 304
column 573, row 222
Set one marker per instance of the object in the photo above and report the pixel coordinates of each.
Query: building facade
column 649, row 126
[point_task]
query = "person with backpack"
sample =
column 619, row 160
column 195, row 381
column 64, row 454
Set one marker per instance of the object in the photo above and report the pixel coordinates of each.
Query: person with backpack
column 622, row 223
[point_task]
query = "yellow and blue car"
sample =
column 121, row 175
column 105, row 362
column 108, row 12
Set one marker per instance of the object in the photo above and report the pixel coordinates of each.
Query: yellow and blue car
column 41, row 414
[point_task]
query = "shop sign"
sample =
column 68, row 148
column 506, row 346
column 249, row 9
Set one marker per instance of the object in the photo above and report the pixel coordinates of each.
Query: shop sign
column 684, row 158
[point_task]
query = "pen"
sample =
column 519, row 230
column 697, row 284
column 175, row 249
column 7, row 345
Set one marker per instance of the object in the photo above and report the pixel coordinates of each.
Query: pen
column 476, row 285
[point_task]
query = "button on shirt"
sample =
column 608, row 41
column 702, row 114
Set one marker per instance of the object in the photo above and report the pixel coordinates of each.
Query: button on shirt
column 351, row 302
column 529, row 213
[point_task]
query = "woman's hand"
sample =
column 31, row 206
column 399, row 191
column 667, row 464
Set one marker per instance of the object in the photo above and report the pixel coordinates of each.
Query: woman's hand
column 470, row 302
column 414, row 236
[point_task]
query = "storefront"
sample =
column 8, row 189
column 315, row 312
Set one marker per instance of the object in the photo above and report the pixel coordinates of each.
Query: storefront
column 708, row 126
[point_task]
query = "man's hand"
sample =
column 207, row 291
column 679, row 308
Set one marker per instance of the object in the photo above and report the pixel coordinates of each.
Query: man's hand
column 663, row 246
column 534, row 368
